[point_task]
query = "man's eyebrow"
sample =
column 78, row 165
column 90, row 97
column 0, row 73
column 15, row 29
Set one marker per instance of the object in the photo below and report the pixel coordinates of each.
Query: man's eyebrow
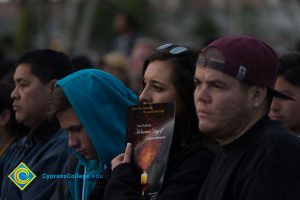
column 216, row 82
column 17, row 80
column 74, row 127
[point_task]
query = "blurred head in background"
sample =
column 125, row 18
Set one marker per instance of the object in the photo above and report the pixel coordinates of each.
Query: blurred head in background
column 288, row 82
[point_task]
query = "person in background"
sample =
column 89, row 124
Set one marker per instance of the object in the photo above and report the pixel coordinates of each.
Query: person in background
column 259, row 158
column 116, row 64
column 44, row 149
column 168, row 77
column 142, row 49
column 94, row 115
column 6, row 65
column 127, row 32
column 10, row 129
column 288, row 82
column 80, row 62
column 6, row 71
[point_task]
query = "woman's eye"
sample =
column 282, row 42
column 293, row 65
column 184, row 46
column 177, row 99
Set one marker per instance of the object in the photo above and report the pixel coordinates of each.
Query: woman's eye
column 22, row 84
column 157, row 88
column 197, row 82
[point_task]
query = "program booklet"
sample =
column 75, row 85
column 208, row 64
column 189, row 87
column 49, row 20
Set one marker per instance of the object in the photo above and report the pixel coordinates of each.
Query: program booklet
column 150, row 129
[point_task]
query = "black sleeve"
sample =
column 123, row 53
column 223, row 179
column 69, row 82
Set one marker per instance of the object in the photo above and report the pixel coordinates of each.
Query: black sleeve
column 186, row 176
column 183, row 180
column 277, row 175
column 271, row 182
column 98, row 191
column 123, row 184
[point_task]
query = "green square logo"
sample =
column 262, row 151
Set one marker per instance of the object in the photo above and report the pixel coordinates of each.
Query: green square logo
column 22, row 176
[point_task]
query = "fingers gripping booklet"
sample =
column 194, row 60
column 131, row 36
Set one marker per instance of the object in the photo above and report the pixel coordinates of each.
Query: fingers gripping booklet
column 150, row 129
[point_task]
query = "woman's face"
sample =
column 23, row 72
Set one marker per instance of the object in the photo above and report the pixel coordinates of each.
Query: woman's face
column 159, row 87
column 286, row 110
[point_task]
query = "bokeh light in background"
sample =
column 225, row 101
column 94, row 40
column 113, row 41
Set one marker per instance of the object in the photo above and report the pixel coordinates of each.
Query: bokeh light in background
column 86, row 26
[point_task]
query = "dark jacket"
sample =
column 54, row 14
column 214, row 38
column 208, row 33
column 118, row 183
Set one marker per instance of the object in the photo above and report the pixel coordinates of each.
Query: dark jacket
column 185, row 174
column 43, row 151
column 262, row 164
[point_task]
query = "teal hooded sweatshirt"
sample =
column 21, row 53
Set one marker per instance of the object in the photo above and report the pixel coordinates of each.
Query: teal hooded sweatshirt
column 100, row 101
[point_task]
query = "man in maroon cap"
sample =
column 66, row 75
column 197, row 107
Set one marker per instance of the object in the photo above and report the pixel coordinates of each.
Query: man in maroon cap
column 259, row 158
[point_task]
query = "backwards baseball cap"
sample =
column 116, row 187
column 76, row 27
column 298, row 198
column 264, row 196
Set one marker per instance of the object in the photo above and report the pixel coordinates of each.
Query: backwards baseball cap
column 247, row 59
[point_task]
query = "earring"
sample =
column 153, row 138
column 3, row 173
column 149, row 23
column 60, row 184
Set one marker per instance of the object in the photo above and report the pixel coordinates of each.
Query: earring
column 255, row 105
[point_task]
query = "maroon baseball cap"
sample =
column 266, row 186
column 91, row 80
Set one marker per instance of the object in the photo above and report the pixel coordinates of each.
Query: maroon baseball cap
column 248, row 59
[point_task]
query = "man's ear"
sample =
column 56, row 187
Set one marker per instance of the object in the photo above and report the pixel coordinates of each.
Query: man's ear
column 259, row 95
column 51, row 85
column 5, row 117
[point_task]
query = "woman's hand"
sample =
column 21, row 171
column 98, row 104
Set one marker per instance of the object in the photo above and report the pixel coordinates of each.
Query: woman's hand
column 123, row 157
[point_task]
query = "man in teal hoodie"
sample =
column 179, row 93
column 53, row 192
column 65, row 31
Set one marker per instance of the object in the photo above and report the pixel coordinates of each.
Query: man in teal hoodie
column 91, row 105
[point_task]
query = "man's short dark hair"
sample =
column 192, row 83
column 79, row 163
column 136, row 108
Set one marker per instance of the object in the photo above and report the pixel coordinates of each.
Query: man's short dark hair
column 6, row 103
column 46, row 64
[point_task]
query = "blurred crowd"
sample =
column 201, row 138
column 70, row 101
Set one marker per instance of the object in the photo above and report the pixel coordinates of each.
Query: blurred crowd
column 237, row 119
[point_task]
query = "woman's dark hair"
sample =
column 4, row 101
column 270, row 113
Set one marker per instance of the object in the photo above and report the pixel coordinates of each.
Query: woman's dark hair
column 289, row 68
column 184, row 64
column 6, row 104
